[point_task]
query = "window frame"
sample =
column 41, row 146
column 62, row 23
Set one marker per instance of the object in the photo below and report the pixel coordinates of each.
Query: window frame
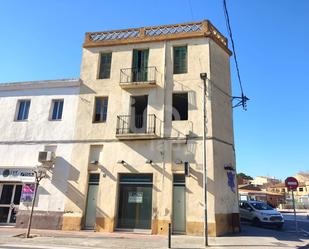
column 179, row 46
column 17, row 110
column 180, row 92
column 94, row 109
column 100, row 63
column 52, row 110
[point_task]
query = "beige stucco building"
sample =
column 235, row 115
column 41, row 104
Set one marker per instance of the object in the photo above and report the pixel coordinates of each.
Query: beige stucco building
column 139, row 124
column 153, row 156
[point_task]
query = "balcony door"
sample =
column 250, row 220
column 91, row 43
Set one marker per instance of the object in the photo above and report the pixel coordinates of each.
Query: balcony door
column 139, row 114
column 140, row 65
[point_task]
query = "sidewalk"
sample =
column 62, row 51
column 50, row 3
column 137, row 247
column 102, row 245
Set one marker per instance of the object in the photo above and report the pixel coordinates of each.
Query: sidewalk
column 250, row 237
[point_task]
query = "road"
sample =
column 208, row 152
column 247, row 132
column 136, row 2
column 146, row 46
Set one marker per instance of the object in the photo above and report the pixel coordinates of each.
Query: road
column 302, row 221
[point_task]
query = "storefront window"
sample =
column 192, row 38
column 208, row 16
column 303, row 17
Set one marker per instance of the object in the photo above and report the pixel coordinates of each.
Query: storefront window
column 135, row 201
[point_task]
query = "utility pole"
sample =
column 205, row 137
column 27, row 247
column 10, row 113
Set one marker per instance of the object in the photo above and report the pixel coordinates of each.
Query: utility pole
column 204, row 78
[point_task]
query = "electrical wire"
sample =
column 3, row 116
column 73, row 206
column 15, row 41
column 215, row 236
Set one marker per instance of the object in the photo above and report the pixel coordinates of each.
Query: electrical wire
column 228, row 25
column 191, row 10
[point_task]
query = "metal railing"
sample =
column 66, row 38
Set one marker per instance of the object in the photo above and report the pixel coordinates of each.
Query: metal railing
column 138, row 75
column 137, row 124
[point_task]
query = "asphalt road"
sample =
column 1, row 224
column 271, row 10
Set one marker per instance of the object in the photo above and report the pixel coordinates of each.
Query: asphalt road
column 302, row 221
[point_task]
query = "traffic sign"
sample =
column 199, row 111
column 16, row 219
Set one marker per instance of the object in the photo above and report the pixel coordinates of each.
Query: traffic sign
column 291, row 183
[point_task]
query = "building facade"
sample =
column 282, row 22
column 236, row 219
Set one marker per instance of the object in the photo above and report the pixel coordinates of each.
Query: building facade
column 35, row 116
column 136, row 157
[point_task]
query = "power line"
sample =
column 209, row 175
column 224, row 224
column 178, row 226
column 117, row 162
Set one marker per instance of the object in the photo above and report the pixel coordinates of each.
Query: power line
column 191, row 9
column 243, row 99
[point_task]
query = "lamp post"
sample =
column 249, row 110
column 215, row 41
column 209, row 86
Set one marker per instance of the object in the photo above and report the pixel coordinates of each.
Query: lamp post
column 39, row 173
column 204, row 78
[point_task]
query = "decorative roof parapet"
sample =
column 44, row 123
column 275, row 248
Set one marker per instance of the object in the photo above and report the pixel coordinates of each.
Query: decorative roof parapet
column 156, row 33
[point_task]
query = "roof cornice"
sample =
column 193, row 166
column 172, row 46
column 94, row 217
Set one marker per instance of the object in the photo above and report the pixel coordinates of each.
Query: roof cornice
column 41, row 84
column 156, row 33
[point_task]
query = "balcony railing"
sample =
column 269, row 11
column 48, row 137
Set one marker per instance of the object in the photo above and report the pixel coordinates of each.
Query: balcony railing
column 137, row 126
column 138, row 76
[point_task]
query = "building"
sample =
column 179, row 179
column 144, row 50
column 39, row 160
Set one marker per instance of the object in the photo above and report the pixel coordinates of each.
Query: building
column 301, row 194
column 139, row 125
column 249, row 192
column 35, row 116
column 264, row 180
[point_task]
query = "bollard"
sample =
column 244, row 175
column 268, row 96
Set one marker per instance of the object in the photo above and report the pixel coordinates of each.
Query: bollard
column 169, row 235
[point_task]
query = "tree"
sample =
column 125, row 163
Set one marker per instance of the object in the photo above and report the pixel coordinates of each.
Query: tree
column 244, row 176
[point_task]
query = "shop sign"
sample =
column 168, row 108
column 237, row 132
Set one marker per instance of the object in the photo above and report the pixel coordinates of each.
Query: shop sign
column 27, row 193
column 16, row 174
column 135, row 197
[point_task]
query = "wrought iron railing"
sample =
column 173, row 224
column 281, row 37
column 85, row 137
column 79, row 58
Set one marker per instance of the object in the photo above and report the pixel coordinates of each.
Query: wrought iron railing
column 138, row 75
column 137, row 124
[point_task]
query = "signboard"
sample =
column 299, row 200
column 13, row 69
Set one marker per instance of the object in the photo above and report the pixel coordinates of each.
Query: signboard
column 17, row 174
column 135, row 197
column 27, row 193
column 291, row 183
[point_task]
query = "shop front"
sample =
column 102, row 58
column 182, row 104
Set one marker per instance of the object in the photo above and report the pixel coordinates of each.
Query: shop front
column 12, row 183
column 135, row 201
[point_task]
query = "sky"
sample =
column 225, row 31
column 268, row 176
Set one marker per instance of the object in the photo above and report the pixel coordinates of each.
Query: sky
column 42, row 40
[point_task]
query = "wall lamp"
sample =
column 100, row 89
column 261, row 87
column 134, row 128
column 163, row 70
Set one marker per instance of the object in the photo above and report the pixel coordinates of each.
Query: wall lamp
column 179, row 161
column 148, row 161
column 94, row 162
column 229, row 167
column 121, row 162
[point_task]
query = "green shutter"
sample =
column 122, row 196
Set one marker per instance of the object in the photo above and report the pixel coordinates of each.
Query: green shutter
column 180, row 60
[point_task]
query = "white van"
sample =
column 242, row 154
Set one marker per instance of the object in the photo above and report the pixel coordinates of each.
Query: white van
column 260, row 213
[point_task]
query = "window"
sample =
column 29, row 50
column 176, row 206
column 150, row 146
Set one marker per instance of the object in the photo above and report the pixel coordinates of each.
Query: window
column 180, row 60
column 23, row 110
column 100, row 109
column 301, row 189
column 105, row 65
column 57, row 107
column 180, row 106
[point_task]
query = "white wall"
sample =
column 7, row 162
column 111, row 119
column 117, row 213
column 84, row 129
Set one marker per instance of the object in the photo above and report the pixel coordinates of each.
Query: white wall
column 20, row 141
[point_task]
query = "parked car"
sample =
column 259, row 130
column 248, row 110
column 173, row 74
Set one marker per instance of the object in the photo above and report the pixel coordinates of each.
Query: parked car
column 260, row 213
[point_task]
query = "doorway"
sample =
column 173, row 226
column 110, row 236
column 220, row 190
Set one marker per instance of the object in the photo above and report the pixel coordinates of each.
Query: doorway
column 135, row 201
column 138, row 122
column 179, row 204
column 10, row 194
column 140, row 65
column 93, row 187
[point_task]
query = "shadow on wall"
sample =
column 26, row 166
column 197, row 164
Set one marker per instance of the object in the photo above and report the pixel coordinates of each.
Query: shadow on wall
column 63, row 173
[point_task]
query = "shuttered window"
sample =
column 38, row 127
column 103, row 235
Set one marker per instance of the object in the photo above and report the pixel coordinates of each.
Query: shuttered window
column 105, row 65
column 100, row 109
column 180, row 60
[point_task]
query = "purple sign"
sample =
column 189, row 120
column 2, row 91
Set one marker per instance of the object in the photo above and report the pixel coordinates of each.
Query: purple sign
column 27, row 193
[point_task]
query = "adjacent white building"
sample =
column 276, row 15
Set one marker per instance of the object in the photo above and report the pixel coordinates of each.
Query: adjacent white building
column 35, row 116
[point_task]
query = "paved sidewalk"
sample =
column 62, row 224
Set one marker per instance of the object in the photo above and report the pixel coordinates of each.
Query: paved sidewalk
column 250, row 237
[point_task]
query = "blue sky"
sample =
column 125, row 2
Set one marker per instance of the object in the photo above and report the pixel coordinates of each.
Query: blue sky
column 42, row 40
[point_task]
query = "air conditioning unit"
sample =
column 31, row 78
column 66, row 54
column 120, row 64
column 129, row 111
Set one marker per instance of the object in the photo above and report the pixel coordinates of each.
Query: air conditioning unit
column 46, row 157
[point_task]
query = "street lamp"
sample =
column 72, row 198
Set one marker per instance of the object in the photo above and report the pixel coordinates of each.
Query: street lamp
column 203, row 76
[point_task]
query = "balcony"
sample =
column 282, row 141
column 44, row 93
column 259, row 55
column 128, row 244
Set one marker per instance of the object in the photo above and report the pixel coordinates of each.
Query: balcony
column 137, row 127
column 138, row 77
